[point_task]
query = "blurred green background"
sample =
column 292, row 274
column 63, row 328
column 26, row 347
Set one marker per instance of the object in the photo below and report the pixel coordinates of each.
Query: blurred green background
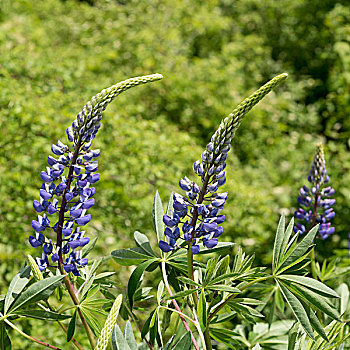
column 55, row 55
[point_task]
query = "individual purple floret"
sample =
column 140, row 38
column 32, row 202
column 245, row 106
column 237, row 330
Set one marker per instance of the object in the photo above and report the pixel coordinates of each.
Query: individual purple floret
column 316, row 204
column 66, row 193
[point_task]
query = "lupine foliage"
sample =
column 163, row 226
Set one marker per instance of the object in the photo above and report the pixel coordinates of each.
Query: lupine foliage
column 58, row 53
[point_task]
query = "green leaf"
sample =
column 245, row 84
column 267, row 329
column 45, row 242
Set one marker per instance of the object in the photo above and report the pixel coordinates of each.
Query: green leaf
column 128, row 257
column 220, row 247
column 183, row 293
column 315, row 299
column 135, row 279
column 169, row 208
column 344, row 295
column 160, row 291
column 157, row 214
column 224, row 288
column 211, row 264
column 311, row 283
column 129, row 336
column 301, row 248
column 42, row 315
column 89, row 247
column 38, row 291
column 278, row 241
column 202, row 311
column 143, row 243
column 118, row 340
column 92, row 320
column 292, row 336
column 5, row 341
column 71, row 326
column 279, row 300
column 188, row 281
column 226, row 277
column 184, row 343
column 146, row 326
column 223, row 317
column 222, row 267
column 315, row 323
column 298, row 309
column 16, row 286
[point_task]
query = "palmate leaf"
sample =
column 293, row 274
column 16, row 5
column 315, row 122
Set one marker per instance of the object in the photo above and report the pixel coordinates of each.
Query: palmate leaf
column 292, row 256
column 278, row 241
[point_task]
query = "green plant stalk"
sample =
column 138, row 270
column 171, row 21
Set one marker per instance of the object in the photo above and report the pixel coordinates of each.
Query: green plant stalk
column 76, row 302
column 207, row 339
column 30, row 337
column 219, row 307
column 165, row 278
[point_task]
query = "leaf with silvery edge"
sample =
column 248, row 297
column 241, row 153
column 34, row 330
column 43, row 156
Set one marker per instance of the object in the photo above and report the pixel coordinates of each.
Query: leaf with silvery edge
column 315, row 299
column 42, row 315
column 184, row 343
column 16, row 286
column 5, row 341
column 278, row 242
column 300, row 249
column 71, row 326
column 220, row 247
column 169, row 208
column 38, row 291
column 292, row 336
column 160, row 291
column 135, row 279
column 118, row 340
column 298, row 309
column 89, row 247
column 131, row 256
column 157, row 215
column 129, row 336
column 312, row 284
column 143, row 243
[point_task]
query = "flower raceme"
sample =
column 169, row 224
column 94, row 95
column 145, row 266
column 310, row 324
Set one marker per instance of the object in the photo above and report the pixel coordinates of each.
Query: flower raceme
column 315, row 201
column 196, row 216
column 67, row 190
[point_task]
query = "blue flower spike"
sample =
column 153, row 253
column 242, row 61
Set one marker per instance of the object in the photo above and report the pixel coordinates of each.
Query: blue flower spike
column 66, row 193
column 316, row 204
column 197, row 214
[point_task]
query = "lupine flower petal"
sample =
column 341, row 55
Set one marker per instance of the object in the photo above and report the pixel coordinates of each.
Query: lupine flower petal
column 83, row 220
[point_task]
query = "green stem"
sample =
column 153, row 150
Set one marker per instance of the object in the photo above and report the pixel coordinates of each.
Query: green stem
column 207, row 339
column 30, row 337
column 165, row 278
column 75, row 300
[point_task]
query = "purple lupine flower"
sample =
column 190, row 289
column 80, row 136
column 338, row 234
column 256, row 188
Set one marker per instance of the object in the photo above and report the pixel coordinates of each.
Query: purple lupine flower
column 316, row 204
column 200, row 222
column 69, row 174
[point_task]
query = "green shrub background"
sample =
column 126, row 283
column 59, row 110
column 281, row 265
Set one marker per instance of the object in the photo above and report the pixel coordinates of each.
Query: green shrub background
column 55, row 55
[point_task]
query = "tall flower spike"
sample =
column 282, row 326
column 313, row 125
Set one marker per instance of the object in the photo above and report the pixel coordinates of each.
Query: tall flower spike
column 66, row 190
column 315, row 202
column 204, row 204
